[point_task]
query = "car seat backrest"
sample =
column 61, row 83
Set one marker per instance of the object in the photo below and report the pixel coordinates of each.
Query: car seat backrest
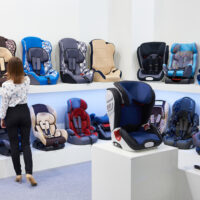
column 182, row 55
column 44, row 120
column 136, row 105
column 9, row 44
column 151, row 56
column 78, row 118
column 36, row 55
column 5, row 55
column 102, row 56
column 183, row 116
column 74, row 53
column 7, row 50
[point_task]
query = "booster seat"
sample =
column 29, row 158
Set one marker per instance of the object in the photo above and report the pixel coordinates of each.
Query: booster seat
column 151, row 57
column 183, row 124
column 4, row 143
column 37, row 61
column 102, row 125
column 102, row 61
column 5, row 148
column 48, row 136
column 159, row 115
column 73, row 67
column 7, row 50
column 196, row 141
column 182, row 64
column 129, row 107
column 78, row 123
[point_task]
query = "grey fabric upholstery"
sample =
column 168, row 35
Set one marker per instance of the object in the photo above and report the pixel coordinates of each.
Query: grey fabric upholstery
column 73, row 67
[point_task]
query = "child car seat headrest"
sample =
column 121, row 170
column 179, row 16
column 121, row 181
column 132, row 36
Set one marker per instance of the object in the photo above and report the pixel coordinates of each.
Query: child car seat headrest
column 37, row 56
column 149, row 48
column 102, row 59
column 76, row 103
column 131, row 91
column 5, row 55
column 73, row 56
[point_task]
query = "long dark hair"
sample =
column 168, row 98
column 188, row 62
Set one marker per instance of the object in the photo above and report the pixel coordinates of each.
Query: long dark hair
column 15, row 70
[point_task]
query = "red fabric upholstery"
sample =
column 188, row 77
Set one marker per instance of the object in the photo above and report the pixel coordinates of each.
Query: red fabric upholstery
column 86, row 128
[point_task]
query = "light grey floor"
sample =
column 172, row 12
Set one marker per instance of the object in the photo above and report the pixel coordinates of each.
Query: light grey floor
column 65, row 183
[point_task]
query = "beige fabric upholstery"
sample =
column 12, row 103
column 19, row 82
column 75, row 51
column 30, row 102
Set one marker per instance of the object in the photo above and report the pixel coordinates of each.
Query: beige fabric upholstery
column 45, row 122
column 103, row 61
column 5, row 55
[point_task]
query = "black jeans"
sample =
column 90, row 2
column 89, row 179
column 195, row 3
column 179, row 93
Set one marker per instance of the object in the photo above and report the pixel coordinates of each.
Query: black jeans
column 17, row 122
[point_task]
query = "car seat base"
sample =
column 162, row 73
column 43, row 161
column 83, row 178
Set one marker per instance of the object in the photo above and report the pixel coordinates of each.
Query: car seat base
column 40, row 146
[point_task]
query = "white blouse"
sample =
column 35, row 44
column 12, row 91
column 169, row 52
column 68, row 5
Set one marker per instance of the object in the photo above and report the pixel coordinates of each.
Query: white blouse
column 13, row 94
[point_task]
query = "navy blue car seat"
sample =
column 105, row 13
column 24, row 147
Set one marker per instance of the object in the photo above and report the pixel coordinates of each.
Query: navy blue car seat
column 37, row 61
column 78, row 123
column 5, row 148
column 129, row 107
column 73, row 67
column 151, row 57
column 196, row 141
column 182, row 64
column 102, row 125
column 183, row 124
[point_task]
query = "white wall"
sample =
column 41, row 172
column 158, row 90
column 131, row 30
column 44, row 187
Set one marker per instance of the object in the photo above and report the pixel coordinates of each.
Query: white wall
column 50, row 20
column 143, row 24
column 177, row 21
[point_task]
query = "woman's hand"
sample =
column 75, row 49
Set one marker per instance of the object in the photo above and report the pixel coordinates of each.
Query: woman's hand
column 3, row 125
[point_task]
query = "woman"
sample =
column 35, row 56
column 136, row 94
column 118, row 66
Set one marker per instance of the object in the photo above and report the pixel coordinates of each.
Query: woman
column 15, row 116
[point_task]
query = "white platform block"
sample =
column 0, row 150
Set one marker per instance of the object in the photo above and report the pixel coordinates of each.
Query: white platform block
column 188, row 176
column 42, row 160
column 143, row 175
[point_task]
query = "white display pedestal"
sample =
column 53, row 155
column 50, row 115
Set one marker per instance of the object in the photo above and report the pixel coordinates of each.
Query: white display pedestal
column 43, row 160
column 142, row 175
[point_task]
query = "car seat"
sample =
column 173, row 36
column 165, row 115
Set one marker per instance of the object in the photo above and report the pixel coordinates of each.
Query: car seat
column 196, row 141
column 129, row 107
column 182, row 64
column 102, row 125
column 5, row 148
column 73, row 68
column 48, row 136
column 37, row 61
column 78, row 123
column 159, row 115
column 182, row 125
column 151, row 57
column 102, row 61
column 7, row 50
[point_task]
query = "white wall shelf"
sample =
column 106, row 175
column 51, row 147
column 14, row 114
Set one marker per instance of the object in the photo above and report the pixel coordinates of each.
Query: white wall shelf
column 66, row 87
column 186, row 88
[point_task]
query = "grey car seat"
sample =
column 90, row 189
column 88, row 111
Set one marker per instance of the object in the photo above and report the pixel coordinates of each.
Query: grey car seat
column 73, row 68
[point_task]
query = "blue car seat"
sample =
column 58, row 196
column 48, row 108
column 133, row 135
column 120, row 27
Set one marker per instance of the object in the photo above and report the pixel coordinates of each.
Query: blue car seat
column 78, row 123
column 37, row 61
column 129, row 107
column 73, row 68
column 182, row 64
column 102, row 125
column 5, row 148
column 196, row 141
column 183, row 124
column 151, row 57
